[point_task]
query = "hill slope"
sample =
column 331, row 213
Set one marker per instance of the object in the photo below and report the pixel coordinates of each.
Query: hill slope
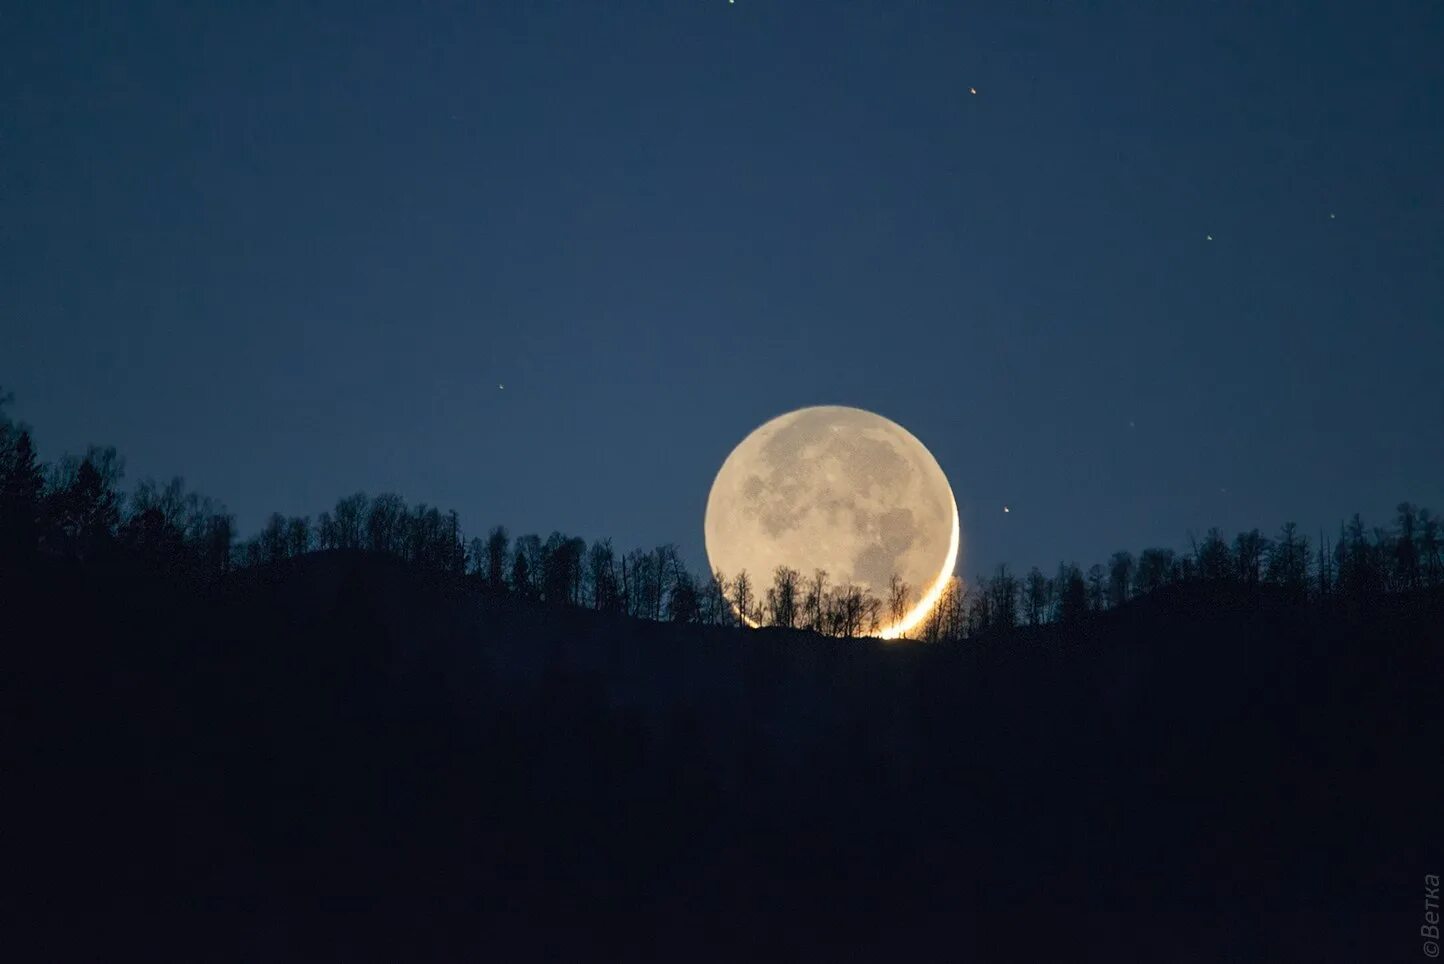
column 1177, row 780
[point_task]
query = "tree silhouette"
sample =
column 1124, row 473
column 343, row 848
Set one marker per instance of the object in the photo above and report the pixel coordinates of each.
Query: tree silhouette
column 496, row 559
column 348, row 520
column 782, row 597
column 683, row 604
column 561, row 578
column 1097, row 588
column 386, row 524
column 82, row 504
column 1072, row 596
column 1037, row 594
column 662, row 571
column 602, row 576
column 1430, row 561
column 1249, row 551
column 1003, row 602
column 1324, row 568
column 742, row 597
column 1120, row 578
column 1406, row 549
column 75, row 509
column 814, row 601
column 298, row 536
column 1155, row 569
column 714, row 606
column 898, row 594
column 1214, row 560
column 980, row 608
column 523, row 582
column 22, row 484
column 1288, row 560
column 639, row 584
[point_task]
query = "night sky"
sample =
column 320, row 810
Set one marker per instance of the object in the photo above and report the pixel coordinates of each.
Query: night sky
column 290, row 251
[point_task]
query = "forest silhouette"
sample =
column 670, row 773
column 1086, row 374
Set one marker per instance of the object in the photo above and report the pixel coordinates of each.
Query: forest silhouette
column 75, row 509
column 1228, row 751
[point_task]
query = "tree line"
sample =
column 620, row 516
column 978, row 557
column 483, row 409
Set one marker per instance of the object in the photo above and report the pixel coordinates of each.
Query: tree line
column 75, row 509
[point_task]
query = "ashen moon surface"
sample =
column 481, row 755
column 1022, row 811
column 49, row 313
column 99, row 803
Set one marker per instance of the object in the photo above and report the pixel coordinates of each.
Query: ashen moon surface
column 841, row 489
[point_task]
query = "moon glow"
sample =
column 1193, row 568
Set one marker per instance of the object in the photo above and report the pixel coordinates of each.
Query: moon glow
column 841, row 489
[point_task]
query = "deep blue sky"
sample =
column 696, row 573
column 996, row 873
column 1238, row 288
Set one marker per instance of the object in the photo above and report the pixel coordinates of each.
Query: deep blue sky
column 290, row 251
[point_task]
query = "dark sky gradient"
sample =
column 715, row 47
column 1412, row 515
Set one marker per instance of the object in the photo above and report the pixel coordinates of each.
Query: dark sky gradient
column 292, row 254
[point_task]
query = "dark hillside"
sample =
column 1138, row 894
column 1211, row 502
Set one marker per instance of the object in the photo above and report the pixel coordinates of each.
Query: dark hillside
column 1200, row 774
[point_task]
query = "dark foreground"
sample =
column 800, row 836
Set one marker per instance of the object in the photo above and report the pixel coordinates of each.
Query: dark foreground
column 337, row 762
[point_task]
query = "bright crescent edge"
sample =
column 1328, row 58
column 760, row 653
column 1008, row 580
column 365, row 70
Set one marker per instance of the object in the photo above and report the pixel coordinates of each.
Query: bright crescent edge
column 925, row 605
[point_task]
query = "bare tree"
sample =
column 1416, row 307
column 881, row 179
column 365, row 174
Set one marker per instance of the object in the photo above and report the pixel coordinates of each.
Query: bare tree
column 639, row 584
column 814, row 602
column 526, row 566
column 943, row 622
column 848, row 610
column 980, row 608
column 955, row 601
column 1325, row 567
column 1155, row 569
column 1249, row 549
column 1288, row 564
column 1097, row 588
column 274, row 547
column 663, row 571
column 1037, row 593
column 1072, row 595
column 82, row 502
column 562, row 569
column 496, row 559
column 1406, row 551
column 602, row 576
column 782, row 597
column 348, row 518
column 1214, row 560
column 1120, row 578
column 899, row 593
column 742, row 597
column 683, row 604
column 1430, row 561
column 22, row 487
column 871, row 614
column 386, row 524
column 715, row 611
column 298, row 536
column 1004, row 603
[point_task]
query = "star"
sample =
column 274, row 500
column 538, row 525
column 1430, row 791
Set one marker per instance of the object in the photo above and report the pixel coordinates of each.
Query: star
column 501, row 388
column 1208, row 237
column 973, row 91
column 1006, row 509
column 1331, row 215
column 1130, row 423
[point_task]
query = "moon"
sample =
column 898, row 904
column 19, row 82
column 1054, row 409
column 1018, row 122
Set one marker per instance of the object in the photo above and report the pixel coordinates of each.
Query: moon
column 841, row 489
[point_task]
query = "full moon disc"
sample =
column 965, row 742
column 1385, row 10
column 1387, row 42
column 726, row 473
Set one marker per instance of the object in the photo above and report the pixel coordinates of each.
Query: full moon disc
column 839, row 489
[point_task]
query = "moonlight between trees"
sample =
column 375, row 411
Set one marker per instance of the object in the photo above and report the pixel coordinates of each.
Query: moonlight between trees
column 74, row 509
